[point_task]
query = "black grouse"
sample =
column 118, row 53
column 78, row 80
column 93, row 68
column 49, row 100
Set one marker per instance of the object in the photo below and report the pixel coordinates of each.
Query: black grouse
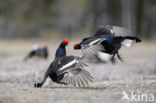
column 105, row 45
column 38, row 52
column 67, row 70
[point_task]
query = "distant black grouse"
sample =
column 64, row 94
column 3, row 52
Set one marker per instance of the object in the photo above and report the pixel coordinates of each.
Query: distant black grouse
column 38, row 52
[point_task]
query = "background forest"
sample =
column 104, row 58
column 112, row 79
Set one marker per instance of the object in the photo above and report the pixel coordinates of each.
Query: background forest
column 48, row 18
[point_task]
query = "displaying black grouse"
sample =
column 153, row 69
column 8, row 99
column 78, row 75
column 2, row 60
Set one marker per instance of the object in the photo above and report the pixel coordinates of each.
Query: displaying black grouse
column 67, row 70
column 105, row 45
column 39, row 52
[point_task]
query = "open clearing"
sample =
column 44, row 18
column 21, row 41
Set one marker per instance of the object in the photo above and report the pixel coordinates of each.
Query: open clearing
column 137, row 73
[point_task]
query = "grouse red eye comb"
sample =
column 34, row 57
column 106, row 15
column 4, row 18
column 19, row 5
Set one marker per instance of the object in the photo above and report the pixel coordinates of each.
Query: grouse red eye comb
column 66, row 41
column 74, row 45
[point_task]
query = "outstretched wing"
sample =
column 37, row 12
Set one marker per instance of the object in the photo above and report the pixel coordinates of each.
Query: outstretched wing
column 94, row 51
column 92, row 46
column 74, row 72
column 77, row 77
column 112, row 30
column 104, row 30
column 120, row 31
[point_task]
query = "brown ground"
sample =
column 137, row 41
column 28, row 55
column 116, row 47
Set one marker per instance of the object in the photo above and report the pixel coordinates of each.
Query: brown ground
column 137, row 73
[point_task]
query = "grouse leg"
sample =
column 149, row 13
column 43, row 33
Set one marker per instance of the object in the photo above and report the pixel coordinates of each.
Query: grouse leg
column 119, row 57
column 113, row 59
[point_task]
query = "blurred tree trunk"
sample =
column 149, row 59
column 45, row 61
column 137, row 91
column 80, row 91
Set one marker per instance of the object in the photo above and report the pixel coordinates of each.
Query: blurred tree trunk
column 148, row 18
column 128, row 14
column 139, row 15
column 27, row 18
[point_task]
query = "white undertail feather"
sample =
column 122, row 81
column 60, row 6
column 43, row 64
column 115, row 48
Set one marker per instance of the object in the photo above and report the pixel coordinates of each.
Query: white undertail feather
column 68, row 64
column 47, row 82
column 127, row 43
column 104, row 56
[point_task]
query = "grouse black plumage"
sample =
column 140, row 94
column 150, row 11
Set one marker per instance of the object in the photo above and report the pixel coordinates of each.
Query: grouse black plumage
column 39, row 52
column 61, row 51
column 102, row 45
column 67, row 70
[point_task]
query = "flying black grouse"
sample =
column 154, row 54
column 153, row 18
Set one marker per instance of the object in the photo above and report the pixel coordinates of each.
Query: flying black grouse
column 105, row 45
